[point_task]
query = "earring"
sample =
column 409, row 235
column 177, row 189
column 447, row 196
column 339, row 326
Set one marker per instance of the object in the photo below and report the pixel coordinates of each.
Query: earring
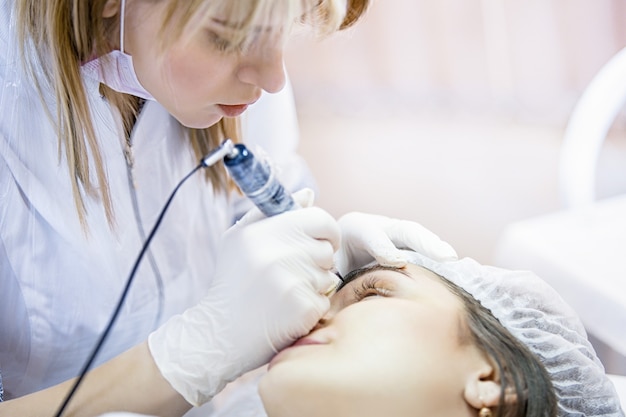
column 484, row 412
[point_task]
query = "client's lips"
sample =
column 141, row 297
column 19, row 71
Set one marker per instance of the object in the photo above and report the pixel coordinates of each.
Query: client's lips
column 233, row 110
column 300, row 342
column 306, row 341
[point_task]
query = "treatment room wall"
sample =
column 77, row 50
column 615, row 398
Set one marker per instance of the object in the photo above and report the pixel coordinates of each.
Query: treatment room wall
column 451, row 112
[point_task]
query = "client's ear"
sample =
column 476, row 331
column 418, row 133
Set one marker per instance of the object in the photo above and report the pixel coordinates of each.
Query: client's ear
column 482, row 389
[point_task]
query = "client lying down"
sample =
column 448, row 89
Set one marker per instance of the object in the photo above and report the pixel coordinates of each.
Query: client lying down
column 433, row 339
column 438, row 339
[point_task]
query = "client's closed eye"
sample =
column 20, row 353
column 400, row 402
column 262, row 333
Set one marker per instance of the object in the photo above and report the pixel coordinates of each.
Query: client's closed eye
column 368, row 287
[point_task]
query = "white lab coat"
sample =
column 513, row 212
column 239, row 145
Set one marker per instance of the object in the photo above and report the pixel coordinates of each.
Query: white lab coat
column 59, row 286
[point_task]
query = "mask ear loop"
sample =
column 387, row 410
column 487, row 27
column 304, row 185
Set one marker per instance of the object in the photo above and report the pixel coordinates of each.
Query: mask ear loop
column 122, row 13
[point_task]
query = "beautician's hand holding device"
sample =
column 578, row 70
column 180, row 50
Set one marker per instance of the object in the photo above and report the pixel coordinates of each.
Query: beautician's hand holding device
column 278, row 297
column 268, row 289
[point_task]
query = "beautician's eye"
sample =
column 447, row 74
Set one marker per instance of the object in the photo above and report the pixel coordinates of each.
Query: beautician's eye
column 222, row 44
column 219, row 42
column 370, row 287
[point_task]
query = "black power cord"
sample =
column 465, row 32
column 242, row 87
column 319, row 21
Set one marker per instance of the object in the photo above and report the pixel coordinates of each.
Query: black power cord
column 118, row 308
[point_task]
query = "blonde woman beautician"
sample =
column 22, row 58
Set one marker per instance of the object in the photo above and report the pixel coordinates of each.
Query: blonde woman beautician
column 106, row 105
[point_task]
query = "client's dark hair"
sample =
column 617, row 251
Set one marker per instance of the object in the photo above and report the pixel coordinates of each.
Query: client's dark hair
column 522, row 375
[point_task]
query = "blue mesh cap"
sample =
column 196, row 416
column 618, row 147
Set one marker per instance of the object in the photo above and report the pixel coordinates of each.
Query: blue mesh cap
column 536, row 315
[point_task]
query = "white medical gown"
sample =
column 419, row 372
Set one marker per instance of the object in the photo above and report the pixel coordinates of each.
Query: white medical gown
column 59, row 285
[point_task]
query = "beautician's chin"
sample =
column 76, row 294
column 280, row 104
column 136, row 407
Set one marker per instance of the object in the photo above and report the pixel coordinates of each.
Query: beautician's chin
column 200, row 122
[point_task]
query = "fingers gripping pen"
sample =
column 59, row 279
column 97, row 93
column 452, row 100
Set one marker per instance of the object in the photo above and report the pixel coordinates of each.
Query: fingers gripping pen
column 253, row 176
column 256, row 180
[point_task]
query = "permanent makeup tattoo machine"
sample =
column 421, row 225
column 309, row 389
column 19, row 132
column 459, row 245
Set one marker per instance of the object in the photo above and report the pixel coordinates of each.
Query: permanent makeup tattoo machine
column 253, row 176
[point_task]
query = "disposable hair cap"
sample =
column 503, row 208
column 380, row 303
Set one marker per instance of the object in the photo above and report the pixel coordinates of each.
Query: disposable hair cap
column 537, row 316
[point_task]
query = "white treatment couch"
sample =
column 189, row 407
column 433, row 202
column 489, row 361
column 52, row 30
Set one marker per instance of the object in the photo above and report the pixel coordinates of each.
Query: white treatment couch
column 581, row 249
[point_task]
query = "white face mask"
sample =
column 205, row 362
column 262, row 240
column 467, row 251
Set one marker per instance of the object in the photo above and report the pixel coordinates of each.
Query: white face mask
column 116, row 69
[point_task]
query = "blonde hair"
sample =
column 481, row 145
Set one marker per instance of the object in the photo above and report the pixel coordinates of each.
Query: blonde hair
column 65, row 33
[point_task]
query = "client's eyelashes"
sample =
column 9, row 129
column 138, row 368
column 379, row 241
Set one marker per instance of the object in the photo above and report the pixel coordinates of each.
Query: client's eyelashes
column 370, row 287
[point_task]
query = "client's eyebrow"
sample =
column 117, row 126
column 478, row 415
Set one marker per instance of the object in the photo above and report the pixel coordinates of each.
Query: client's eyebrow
column 357, row 273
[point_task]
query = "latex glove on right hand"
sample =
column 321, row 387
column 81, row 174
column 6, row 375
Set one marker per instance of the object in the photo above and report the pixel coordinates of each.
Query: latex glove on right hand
column 370, row 237
column 267, row 291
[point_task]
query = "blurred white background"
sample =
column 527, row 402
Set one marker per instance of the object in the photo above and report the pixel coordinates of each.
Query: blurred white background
column 451, row 112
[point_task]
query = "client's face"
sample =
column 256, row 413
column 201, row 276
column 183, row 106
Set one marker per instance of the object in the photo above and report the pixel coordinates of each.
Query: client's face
column 389, row 346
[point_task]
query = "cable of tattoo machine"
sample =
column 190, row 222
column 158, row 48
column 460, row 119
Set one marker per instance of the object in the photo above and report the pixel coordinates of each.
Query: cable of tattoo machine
column 122, row 298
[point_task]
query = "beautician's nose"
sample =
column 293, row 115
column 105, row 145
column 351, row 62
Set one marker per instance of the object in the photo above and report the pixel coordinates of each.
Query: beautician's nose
column 264, row 68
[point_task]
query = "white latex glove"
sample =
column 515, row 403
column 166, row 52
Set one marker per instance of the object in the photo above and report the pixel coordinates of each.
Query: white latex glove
column 369, row 237
column 267, row 291
column 303, row 198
